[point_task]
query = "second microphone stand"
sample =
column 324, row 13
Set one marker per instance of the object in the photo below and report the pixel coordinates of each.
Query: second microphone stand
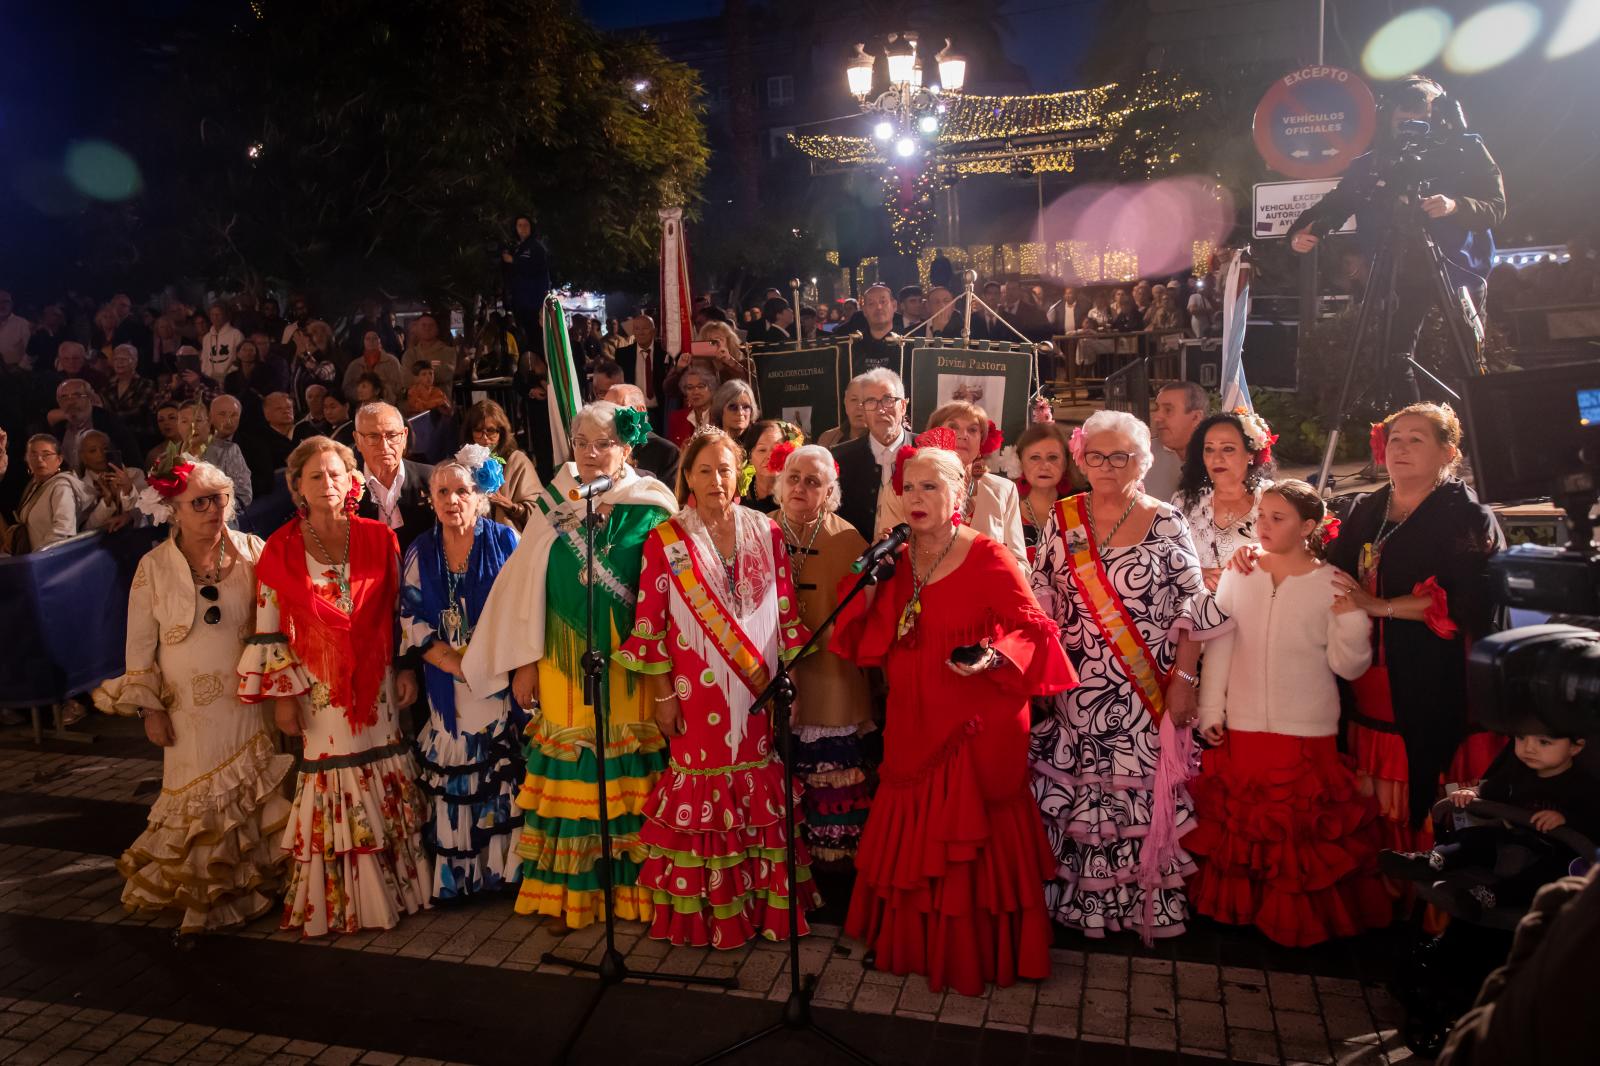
column 612, row 969
column 780, row 693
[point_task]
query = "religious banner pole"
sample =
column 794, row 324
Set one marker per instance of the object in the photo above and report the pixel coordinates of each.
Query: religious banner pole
column 794, row 289
column 676, row 320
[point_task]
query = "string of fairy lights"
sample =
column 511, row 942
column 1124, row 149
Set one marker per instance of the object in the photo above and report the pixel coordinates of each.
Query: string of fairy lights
column 979, row 134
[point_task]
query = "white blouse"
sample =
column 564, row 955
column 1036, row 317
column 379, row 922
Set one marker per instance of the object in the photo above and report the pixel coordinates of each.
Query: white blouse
column 1216, row 546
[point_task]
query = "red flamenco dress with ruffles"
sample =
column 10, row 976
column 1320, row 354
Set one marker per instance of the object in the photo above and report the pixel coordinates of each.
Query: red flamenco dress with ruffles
column 1407, row 728
column 1285, row 838
column 713, row 830
column 951, row 869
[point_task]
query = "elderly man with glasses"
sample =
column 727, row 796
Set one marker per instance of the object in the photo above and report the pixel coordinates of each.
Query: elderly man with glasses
column 397, row 490
column 866, row 464
column 78, row 411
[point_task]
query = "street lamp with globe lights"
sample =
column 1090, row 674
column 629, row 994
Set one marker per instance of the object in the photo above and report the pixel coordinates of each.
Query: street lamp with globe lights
column 911, row 111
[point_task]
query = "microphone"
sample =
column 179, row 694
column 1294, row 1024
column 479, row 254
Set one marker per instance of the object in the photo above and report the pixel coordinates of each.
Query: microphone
column 598, row 487
column 883, row 549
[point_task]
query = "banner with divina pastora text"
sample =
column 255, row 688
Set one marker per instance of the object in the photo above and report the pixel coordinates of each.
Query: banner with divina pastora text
column 998, row 379
column 801, row 386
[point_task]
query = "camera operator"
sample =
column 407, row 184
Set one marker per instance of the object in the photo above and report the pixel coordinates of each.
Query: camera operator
column 1462, row 196
column 527, row 279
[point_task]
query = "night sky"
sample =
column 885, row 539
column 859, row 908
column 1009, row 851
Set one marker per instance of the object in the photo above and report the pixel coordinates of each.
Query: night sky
column 1048, row 50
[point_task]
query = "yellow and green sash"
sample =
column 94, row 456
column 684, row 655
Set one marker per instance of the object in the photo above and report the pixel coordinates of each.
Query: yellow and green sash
column 1110, row 614
column 720, row 629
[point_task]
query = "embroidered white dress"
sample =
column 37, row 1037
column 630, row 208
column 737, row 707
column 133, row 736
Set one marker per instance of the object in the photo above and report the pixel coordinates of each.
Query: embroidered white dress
column 210, row 848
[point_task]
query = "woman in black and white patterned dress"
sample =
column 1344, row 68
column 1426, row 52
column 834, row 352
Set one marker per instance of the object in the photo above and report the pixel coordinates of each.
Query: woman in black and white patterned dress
column 1114, row 815
column 1228, row 467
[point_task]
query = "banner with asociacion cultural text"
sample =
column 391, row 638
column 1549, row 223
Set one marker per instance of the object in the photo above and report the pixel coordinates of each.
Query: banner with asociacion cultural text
column 802, row 386
column 998, row 381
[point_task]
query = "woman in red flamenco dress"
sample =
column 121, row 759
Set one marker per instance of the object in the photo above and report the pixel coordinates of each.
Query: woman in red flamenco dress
column 717, row 610
column 952, row 864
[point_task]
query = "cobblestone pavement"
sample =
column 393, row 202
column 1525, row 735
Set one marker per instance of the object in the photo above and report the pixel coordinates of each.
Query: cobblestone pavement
column 83, row 981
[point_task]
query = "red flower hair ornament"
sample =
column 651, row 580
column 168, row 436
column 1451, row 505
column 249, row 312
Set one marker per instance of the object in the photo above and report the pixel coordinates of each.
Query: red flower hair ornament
column 1379, row 441
column 779, row 455
column 937, row 437
column 993, row 440
column 173, row 481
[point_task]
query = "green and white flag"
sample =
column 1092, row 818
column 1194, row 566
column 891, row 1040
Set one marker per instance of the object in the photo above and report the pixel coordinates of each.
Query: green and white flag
column 561, row 390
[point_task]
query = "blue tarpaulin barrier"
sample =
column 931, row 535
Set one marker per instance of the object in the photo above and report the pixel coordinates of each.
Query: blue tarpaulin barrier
column 64, row 610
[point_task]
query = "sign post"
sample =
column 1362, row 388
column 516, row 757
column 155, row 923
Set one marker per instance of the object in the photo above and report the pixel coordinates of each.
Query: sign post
column 1313, row 121
column 1276, row 204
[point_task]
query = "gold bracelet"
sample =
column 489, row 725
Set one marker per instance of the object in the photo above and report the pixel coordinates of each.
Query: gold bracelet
column 668, row 696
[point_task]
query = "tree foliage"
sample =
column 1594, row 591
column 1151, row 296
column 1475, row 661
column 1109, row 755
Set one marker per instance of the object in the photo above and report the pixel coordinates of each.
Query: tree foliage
column 359, row 144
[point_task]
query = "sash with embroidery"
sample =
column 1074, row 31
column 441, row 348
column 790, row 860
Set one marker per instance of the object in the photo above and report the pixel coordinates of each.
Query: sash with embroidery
column 719, row 627
column 1116, row 625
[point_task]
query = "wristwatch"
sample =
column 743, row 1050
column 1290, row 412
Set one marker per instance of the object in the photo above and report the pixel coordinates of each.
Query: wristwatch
column 1187, row 676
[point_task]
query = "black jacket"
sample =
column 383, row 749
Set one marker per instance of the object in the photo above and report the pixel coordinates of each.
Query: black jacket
column 1460, row 168
column 860, row 478
column 1449, row 537
column 658, row 457
column 416, row 512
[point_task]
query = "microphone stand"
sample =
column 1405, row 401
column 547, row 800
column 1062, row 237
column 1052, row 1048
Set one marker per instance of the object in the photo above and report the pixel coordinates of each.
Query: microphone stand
column 780, row 693
column 611, row 969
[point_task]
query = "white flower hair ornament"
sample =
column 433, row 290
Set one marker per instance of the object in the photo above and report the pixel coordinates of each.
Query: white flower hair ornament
column 1257, row 434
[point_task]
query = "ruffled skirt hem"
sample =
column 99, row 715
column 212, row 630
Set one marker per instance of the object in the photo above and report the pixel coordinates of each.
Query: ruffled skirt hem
column 1287, row 841
column 355, row 835
column 209, row 849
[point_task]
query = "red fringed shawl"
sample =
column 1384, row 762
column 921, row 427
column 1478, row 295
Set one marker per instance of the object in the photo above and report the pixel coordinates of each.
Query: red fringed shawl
column 350, row 653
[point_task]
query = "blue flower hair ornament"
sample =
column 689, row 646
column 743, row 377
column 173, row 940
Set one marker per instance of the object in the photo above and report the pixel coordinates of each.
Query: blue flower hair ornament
column 488, row 470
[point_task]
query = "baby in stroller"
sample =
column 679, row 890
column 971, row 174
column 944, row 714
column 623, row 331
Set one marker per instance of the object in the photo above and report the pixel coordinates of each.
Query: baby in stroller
column 1493, row 864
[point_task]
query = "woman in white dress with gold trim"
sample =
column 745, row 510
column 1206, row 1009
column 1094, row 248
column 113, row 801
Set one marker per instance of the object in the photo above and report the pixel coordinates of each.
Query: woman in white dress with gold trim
column 210, row 848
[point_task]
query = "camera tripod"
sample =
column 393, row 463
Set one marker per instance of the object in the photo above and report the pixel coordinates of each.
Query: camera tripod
column 1379, row 302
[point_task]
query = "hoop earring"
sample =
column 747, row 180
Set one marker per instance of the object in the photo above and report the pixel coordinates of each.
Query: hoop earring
column 302, row 510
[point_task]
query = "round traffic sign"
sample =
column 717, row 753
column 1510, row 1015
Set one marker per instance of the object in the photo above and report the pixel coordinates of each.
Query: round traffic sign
column 1313, row 121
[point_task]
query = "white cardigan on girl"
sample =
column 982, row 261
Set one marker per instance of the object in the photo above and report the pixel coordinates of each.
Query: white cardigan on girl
column 1273, row 672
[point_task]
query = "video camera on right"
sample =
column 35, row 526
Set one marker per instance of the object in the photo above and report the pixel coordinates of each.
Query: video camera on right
column 1535, row 434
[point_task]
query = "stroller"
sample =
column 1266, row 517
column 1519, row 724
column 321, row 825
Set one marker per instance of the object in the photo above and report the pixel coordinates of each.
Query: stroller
column 1440, row 979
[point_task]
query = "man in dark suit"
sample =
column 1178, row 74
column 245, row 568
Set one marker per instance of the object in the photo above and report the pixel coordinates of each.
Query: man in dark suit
column 645, row 363
column 776, row 325
column 397, row 491
column 657, row 456
column 866, row 464
column 267, row 444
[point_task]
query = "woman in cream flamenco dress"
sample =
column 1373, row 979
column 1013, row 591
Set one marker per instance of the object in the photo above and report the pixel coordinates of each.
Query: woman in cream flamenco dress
column 210, row 848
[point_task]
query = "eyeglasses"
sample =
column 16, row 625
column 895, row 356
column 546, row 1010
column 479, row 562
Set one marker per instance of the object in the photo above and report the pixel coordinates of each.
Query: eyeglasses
column 604, row 444
column 213, row 613
column 75, row 394
column 1115, row 460
column 872, row 403
column 202, row 504
column 393, row 436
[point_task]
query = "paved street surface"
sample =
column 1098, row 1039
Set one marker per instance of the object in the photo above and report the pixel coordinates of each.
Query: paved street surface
column 83, row 982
